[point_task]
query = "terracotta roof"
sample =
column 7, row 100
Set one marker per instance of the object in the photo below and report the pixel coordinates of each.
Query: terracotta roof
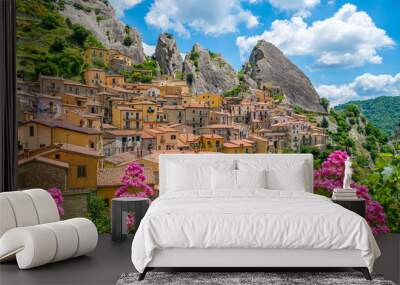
column 173, row 107
column 122, row 158
column 112, row 176
column 78, row 149
column 240, row 142
column 144, row 102
column 65, row 125
column 108, row 126
column 196, row 105
column 188, row 137
column 220, row 126
column 123, row 132
column 44, row 160
column 146, row 135
column 212, row 136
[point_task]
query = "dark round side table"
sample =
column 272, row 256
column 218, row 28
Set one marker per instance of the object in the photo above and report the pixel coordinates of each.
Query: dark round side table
column 120, row 208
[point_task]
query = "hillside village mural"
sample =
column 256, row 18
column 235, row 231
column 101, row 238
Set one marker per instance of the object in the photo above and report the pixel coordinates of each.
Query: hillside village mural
column 91, row 103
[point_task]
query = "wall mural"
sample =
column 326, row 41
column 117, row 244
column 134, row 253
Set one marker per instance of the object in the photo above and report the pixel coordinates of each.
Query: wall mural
column 105, row 87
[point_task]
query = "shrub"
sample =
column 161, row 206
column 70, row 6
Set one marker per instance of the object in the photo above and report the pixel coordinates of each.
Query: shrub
column 127, row 41
column 58, row 45
column 49, row 22
column 98, row 213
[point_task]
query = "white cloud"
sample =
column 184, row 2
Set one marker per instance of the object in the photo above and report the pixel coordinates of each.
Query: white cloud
column 293, row 5
column 148, row 49
column 365, row 86
column 349, row 38
column 211, row 17
column 301, row 7
column 121, row 5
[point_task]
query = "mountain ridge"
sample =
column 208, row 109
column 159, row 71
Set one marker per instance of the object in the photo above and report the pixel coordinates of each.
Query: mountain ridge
column 383, row 111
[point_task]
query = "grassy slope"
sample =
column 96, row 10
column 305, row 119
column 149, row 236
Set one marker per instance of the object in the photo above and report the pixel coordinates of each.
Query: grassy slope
column 34, row 40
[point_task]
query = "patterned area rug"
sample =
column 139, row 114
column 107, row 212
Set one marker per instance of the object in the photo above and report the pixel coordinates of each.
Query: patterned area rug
column 230, row 278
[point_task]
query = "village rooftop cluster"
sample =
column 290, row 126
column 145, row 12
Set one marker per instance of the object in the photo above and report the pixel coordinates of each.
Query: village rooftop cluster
column 81, row 136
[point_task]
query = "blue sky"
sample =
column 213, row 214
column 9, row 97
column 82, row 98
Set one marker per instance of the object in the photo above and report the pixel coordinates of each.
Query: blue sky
column 349, row 49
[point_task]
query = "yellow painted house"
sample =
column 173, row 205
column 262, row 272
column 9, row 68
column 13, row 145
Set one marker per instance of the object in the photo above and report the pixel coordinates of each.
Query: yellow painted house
column 149, row 112
column 37, row 134
column 115, row 80
column 211, row 142
column 238, row 146
column 94, row 76
column 125, row 117
column 211, row 99
column 94, row 54
column 83, row 162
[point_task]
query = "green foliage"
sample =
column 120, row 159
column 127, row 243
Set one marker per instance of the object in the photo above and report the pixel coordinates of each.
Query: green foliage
column 324, row 103
column 139, row 73
column 169, row 36
column 384, row 185
column 324, row 123
column 189, row 78
column 127, row 29
column 98, row 213
column 68, row 64
column 297, row 109
column 58, row 45
column 235, row 90
column 179, row 75
column 194, row 57
column 213, row 55
column 127, row 41
column 79, row 35
column 50, row 21
column 383, row 112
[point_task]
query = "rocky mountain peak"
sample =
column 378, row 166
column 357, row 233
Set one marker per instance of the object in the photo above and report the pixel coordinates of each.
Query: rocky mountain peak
column 98, row 16
column 268, row 65
column 208, row 71
column 167, row 55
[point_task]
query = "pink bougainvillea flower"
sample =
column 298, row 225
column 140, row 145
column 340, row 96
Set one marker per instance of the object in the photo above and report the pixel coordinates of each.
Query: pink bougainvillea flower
column 58, row 199
column 330, row 176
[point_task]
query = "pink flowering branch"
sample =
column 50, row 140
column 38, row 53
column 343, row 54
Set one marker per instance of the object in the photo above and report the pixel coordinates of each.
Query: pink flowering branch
column 58, row 199
column 330, row 176
column 134, row 185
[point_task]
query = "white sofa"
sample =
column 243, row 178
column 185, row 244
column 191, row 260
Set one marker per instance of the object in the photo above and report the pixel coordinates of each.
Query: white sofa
column 31, row 230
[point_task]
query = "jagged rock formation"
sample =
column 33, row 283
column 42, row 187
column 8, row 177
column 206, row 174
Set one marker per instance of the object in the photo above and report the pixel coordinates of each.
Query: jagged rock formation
column 167, row 55
column 99, row 17
column 207, row 71
column 268, row 65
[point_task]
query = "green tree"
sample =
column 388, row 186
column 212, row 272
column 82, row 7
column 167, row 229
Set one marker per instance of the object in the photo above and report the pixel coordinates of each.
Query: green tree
column 324, row 123
column 79, row 35
column 50, row 22
column 98, row 213
column 127, row 41
column 324, row 103
column 58, row 45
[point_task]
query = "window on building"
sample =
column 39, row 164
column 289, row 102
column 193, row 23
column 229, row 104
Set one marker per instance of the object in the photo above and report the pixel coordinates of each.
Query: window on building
column 57, row 156
column 31, row 131
column 81, row 171
column 173, row 137
column 92, row 144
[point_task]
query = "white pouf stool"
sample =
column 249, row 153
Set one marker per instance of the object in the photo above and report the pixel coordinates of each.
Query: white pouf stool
column 31, row 230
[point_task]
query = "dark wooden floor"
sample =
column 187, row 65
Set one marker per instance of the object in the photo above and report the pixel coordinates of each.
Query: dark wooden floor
column 103, row 266
column 110, row 260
